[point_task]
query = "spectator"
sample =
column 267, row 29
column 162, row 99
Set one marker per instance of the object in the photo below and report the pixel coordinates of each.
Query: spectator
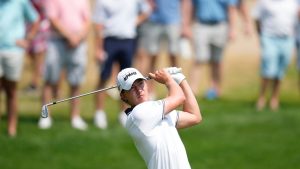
column 13, row 40
column 168, row 21
column 215, row 25
column 115, row 25
column 276, row 22
column 67, row 49
column 38, row 46
column 153, row 124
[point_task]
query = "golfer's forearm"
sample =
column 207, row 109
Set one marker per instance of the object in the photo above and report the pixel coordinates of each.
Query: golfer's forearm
column 190, row 104
column 174, row 90
column 175, row 96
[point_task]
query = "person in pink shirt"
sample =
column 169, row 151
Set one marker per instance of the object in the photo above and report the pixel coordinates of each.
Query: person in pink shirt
column 69, row 21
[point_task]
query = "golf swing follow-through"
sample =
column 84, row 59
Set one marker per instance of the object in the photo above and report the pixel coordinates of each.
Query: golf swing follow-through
column 44, row 113
column 153, row 124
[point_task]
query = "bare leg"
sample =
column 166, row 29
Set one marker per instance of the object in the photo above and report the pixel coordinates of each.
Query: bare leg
column 11, row 105
column 216, row 71
column 274, row 102
column 142, row 61
column 261, row 102
column 75, row 109
column 151, row 87
column 37, row 62
column 47, row 93
column 194, row 77
column 173, row 60
column 1, row 87
column 100, row 96
column 100, row 119
column 299, row 80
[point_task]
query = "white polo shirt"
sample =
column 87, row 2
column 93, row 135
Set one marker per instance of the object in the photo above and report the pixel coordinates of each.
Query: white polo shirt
column 156, row 136
column 119, row 17
column 278, row 17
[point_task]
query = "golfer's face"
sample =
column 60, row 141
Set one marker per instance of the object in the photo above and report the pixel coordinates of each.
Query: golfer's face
column 138, row 92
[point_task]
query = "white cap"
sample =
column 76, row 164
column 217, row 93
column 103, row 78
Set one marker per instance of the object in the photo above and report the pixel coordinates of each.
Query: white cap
column 126, row 78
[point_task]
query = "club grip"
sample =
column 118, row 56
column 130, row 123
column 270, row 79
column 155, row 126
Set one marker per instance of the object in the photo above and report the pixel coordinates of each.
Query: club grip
column 174, row 70
column 171, row 70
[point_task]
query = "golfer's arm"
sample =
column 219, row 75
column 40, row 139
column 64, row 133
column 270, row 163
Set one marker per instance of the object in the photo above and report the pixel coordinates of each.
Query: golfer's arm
column 175, row 96
column 191, row 114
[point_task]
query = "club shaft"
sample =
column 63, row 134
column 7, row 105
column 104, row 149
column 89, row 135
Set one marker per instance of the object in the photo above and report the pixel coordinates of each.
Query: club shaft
column 85, row 94
column 92, row 92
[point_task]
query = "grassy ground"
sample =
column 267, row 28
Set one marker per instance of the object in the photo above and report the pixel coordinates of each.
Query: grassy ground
column 232, row 135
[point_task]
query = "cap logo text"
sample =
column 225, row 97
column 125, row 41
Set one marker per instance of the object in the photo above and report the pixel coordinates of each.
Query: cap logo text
column 128, row 75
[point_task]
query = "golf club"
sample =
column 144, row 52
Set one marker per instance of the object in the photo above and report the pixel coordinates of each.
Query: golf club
column 44, row 113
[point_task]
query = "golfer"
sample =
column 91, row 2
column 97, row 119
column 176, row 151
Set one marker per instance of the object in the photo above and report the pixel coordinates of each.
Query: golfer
column 153, row 124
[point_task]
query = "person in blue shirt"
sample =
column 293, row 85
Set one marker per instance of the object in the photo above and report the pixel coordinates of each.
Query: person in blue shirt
column 214, row 27
column 168, row 21
column 14, row 14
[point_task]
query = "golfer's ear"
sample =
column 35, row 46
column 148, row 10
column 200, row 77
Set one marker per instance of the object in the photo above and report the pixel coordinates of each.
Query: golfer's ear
column 123, row 98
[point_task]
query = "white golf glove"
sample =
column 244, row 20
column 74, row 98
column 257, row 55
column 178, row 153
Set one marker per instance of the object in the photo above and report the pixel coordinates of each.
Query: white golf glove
column 176, row 74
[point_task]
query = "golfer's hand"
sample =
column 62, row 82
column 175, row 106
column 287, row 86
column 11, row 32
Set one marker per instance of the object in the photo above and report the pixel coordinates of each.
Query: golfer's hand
column 176, row 74
column 161, row 76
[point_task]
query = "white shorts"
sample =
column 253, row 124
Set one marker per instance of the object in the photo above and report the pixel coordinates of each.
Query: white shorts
column 152, row 34
column 210, row 41
column 11, row 65
column 60, row 56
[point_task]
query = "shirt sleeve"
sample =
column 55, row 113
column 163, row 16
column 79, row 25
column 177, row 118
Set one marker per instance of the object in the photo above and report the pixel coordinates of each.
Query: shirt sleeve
column 173, row 117
column 148, row 114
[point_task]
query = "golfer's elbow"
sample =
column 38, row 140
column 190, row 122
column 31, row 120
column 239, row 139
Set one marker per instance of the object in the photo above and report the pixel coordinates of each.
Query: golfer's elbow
column 180, row 97
column 197, row 118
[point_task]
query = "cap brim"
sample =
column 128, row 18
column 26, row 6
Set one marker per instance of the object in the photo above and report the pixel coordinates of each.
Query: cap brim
column 130, row 83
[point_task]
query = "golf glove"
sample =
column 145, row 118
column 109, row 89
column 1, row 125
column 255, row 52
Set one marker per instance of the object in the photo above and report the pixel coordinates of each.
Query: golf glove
column 176, row 74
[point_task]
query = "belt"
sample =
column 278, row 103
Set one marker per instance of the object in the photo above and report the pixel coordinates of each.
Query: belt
column 210, row 22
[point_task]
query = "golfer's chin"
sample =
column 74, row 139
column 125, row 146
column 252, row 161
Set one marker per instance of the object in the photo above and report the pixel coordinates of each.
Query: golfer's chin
column 141, row 99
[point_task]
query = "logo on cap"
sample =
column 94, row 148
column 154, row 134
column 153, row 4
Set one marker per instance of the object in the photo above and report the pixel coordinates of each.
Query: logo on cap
column 128, row 75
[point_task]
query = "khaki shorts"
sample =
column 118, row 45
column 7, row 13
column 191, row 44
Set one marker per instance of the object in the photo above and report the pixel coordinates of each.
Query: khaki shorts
column 60, row 56
column 210, row 41
column 11, row 65
column 151, row 35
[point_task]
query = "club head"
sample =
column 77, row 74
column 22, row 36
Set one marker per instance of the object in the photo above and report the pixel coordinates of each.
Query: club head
column 44, row 113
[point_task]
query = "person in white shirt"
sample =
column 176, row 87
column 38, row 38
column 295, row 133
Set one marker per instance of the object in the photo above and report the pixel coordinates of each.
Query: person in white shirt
column 276, row 24
column 153, row 124
column 115, row 24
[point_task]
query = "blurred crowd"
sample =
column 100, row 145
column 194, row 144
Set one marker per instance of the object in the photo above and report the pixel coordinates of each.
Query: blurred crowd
column 53, row 33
